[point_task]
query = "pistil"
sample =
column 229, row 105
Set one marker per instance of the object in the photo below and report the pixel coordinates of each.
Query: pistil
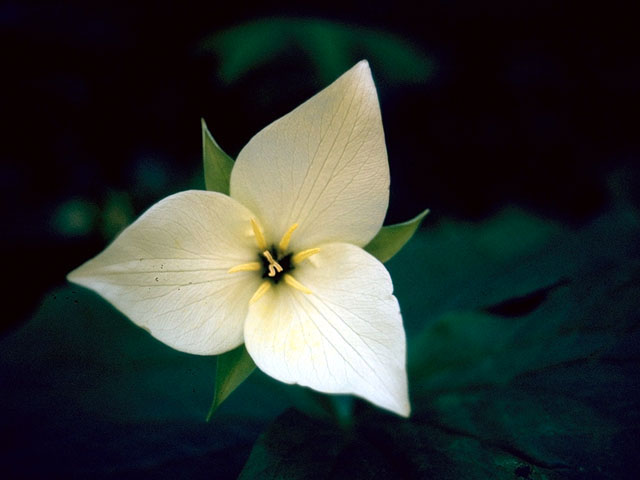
column 271, row 266
column 274, row 266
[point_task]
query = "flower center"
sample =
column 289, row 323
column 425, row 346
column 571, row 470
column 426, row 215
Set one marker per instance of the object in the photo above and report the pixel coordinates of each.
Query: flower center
column 275, row 262
column 272, row 268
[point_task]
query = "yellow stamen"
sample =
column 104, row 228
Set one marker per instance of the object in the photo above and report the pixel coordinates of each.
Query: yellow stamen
column 262, row 243
column 273, row 265
column 246, row 267
column 262, row 289
column 286, row 238
column 292, row 282
column 303, row 255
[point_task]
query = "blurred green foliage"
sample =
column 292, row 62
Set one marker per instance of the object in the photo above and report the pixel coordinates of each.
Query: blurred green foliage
column 523, row 333
column 332, row 47
column 523, row 360
column 74, row 217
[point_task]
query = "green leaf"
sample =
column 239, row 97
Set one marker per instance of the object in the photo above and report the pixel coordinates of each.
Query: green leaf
column 524, row 342
column 458, row 266
column 79, row 370
column 234, row 367
column 217, row 164
column 423, row 449
column 548, row 391
column 548, row 377
column 332, row 47
column 392, row 238
column 296, row 447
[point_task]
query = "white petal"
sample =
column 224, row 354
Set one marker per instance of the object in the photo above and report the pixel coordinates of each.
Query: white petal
column 345, row 337
column 324, row 166
column 168, row 271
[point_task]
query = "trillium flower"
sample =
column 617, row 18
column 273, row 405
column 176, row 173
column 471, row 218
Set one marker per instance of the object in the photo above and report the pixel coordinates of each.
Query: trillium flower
column 278, row 264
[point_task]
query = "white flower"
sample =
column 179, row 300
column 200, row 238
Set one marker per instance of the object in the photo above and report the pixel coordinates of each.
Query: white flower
column 279, row 263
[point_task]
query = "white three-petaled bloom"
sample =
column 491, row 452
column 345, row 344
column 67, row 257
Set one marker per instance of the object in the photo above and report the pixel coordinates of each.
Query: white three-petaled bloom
column 278, row 264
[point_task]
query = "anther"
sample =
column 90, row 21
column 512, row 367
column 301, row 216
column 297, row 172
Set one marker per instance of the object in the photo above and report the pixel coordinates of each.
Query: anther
column 286, row 238
column 303, row 255
column 262, row 289
column 246, row 267
column 262, row 243
column 292, row 282
column 273, row 265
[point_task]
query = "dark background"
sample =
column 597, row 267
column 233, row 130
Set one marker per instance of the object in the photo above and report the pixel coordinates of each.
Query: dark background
column 515, row 122
column 530, row 102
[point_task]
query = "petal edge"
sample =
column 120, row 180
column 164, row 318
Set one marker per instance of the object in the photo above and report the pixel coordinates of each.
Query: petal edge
column 345, row 337
column 168, row 272
column 323, row 165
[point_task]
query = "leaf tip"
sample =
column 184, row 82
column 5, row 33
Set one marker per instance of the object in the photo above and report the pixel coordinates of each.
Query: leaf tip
column 214, row 406
column 423, row 214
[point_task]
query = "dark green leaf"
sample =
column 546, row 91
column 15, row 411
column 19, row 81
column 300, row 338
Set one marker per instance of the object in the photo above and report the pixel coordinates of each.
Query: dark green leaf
column 286, row 449
column 551, row 394
column 524, row 347
column 298, row 447
column 526, row 366
column 459, row 266
column 332, row 48
column 467, row 349
column 80, row 377
column 392, row 238
column 217, row 164
column 553, row 384
column 233, row 368
column 422, row 449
